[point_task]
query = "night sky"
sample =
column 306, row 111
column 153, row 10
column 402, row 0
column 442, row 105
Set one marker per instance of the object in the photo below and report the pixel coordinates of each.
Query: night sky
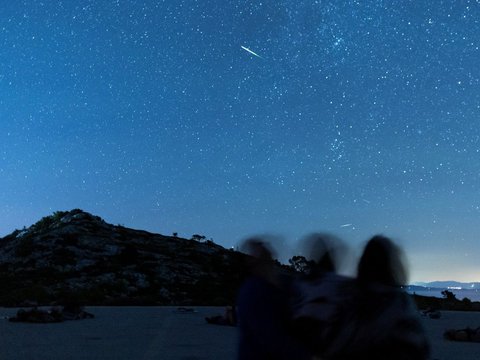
column 353, row 118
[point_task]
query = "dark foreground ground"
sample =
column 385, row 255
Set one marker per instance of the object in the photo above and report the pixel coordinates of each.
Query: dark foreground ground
column 165, row 333
column 120, row 333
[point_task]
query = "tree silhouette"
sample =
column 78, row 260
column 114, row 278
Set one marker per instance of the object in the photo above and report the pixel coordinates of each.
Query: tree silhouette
column 448, row 295
column 300, row 264
column 197, row 237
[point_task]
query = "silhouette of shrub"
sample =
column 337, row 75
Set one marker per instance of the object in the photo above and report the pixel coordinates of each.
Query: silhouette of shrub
column 300, row 264
column 47, row 221
column 467, row 303
column 198, row 237
column 44, row 223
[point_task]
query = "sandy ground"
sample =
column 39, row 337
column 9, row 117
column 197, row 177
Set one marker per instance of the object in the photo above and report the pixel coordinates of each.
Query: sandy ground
column 452, row 350
column 164, row 333
column 120, row 333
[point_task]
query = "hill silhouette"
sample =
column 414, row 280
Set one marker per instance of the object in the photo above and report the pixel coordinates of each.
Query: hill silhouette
column 74, row 254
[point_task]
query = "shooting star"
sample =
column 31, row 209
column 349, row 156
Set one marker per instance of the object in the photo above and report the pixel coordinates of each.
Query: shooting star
column 251, row 52
column 346, row 225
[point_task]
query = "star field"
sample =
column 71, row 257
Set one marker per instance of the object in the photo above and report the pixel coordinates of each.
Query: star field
column 152, row 115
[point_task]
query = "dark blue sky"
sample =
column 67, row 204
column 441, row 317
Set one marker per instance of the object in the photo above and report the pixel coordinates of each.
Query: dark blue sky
column 356, row 119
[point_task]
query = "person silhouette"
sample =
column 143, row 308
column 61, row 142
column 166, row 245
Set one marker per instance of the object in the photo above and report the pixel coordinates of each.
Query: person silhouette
column 380, row 321
column 319, row 293
column 264, row 310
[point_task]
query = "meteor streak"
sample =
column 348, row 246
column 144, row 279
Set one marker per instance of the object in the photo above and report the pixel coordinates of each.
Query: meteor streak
column 251, row 52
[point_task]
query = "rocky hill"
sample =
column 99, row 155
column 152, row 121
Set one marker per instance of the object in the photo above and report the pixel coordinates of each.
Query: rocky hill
column 77, row 255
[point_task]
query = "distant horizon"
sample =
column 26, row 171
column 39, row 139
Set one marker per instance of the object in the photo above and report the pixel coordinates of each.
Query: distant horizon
column 415, row 283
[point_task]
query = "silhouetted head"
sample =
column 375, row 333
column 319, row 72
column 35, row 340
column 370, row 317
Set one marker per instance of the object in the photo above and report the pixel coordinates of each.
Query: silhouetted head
column 324, row 250
column 382, row 262
column 261, row 259
column 258, row 248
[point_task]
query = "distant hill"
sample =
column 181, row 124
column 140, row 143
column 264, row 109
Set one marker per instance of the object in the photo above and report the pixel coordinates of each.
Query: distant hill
column 74, row 254
column 445, row 295
column 449, row 284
